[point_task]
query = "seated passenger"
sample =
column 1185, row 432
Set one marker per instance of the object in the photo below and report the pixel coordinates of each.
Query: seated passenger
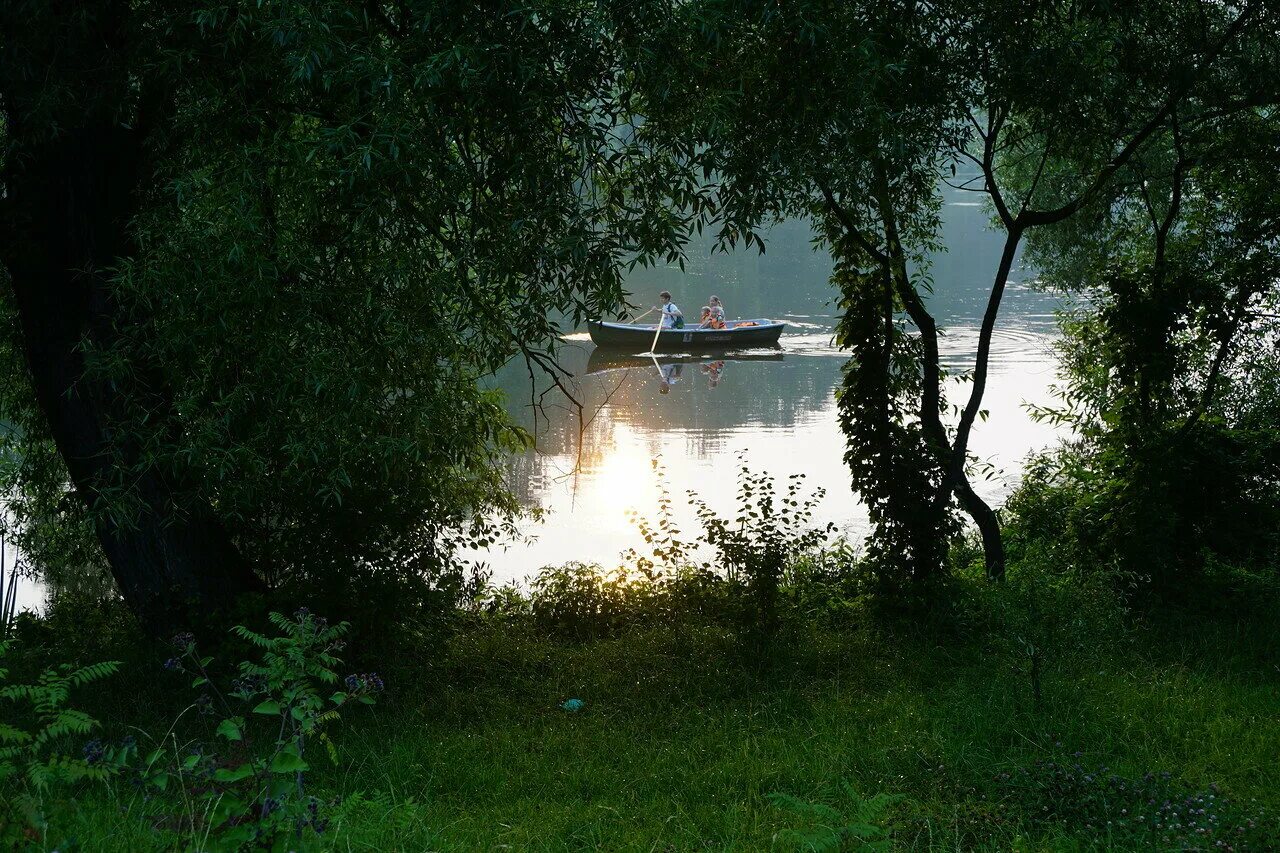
column 717, row 312
column 704, row 322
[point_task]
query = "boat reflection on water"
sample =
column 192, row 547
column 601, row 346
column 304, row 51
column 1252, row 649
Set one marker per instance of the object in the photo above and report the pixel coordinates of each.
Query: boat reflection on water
column 673, row 368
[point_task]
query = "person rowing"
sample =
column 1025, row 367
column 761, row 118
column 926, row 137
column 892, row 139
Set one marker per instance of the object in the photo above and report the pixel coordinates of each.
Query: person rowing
column 669, row 374
column 671, row 316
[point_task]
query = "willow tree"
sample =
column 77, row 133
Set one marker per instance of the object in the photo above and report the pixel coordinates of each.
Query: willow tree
column 851, row 114
column 260, row 252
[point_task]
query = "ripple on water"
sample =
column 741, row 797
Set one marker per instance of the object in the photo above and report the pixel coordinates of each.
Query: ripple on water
column 814, row 343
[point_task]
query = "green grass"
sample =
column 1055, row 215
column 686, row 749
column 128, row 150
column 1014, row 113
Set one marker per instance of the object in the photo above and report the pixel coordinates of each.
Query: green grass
column 681, row 741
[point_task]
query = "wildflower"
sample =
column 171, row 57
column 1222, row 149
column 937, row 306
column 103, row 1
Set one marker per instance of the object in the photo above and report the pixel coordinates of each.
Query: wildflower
column 173, row 665
column 94, row 751
column 368, row 681
column 573, row 704
column 183, row 641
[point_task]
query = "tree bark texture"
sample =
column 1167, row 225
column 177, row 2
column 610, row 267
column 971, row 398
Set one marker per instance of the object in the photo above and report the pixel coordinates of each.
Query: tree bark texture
column 74, row 197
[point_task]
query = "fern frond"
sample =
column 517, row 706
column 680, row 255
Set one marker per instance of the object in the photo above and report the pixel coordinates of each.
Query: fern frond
column 804, row 807
column 93, row 672
column 252, row 637
column 77, row 721
column 12, row 734
column 14, row 692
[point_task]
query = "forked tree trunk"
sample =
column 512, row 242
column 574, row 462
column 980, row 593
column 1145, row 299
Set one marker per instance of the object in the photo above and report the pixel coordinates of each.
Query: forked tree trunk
column 72, row 201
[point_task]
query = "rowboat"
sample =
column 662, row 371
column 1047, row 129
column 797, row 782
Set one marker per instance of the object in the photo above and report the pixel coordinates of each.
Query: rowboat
column 605, row 360
column 740, row 334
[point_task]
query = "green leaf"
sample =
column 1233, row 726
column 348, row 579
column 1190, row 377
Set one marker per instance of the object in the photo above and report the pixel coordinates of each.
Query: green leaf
column 236, row 836
column 227, row 808
column 244, row 771
column 230, row 729
column 287, row 760
column 270, row 706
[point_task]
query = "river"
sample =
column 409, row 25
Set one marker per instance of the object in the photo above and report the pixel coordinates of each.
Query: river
column 775, row 412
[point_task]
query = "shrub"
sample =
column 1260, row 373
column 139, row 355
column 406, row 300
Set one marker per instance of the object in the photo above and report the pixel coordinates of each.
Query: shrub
column 1131, row 511
column 272, row 720
column 33, row 758
column 769, row 544
column 770, row 533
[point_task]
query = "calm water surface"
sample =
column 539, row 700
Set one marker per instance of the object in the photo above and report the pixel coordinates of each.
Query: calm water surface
column 772, row 411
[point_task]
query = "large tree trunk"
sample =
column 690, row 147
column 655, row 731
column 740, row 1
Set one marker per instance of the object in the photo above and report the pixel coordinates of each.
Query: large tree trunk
column 74, row 197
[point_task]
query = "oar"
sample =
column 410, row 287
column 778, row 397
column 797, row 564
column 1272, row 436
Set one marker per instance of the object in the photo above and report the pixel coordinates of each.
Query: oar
column 645, row 314
column 653, row 347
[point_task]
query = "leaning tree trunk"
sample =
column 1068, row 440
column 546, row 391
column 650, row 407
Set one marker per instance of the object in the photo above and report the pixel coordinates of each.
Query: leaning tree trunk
column 73, row 200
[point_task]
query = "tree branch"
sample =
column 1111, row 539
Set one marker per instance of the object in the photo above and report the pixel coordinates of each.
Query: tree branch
column 1030, row 218
column 847, row 223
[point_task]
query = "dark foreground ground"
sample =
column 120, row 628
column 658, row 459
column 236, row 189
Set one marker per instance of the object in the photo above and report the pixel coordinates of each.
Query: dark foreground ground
column 871, row 731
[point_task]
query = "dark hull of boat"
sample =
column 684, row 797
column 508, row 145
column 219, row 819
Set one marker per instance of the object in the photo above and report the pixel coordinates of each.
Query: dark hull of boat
column 603, row 360
column 640, row 338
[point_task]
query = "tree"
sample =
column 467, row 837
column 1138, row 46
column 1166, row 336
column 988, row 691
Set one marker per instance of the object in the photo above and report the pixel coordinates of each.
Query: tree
column 838, row 113
column 261, row 253
column 1170, row 360
column 851, row 114
column 1066, row 98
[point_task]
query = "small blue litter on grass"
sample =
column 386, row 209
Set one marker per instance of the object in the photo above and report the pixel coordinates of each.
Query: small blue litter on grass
column 573, row 705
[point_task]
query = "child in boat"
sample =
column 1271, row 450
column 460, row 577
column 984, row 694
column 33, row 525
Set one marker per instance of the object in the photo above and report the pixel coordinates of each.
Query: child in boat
column 712, row 315
column 717, row 312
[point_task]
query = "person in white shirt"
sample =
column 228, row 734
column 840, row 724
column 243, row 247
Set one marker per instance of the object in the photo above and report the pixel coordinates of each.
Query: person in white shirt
column 670, row 375
column 669, row 311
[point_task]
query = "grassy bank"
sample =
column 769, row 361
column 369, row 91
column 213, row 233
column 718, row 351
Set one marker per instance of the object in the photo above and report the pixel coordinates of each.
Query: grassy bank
column 683, row 741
